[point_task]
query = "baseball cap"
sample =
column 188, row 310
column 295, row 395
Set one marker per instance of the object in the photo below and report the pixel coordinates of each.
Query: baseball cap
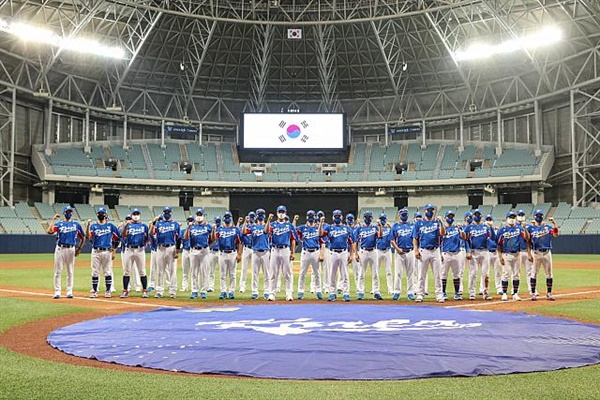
column 508, row 214
column 67, row 208
column 448, row 213
column 261, row 211
column 403, row 211
column 227, row 214
column 128, row 218
column 167, row 208
column 383, row 215
column 320, row 213
column 310, row 213
column 217, row 219
column 350, row 216
column 489, row 217
column 368, row 214
column 428, row 206
column 538, row 212
column 252, row 214
column 135, row 211
column 282, row 209
column 468, row 214
column 476, row 211
column 200, row 211
column 190, row 218
column 337, row 212
column 520, row 212
column 418, row 215
column 101, row 210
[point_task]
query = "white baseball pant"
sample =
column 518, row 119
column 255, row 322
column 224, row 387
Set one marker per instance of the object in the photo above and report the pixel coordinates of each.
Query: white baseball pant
column 137, row 283
column 153, row 270
column 542, row 259
column 246, row 260
column 384, row 257
column 260, row 261
column 479, row 259
column 339, row 262
column 367, row 258
column 308, row 258
column 494, row 263
column 451, row 261
column 185, row 267
column 433, row 258
column 528, row 268
column 511, row 266
column 137, row 259
column 102, row 262
column 213, row 260
column 227, row 264
column 64, row 257
column 463, row 263
column 280, row 263
column 167, row 270
column 199, row 267
column 404, row 263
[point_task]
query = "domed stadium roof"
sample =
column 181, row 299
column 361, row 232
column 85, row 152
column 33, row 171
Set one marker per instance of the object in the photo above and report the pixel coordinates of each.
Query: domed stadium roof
column 376, row 60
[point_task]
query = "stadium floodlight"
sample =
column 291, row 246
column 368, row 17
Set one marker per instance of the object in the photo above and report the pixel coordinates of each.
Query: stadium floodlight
column 31, row 33
column 544, row 37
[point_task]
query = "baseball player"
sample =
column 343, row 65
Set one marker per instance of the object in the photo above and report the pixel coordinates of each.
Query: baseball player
column 465, row 249
column 213, row 258
column 340, row 239
column 325, row 265
column 478, row 234
column 185, row 255
column 67, row 232
column 282, row 238
column 541, row 235
column 451, row 258
column 404, row 260
column 102, row 234
column 137, row 282
column 260, row 253
column 364, row 249
column 384, row 250
column 230, row 253
column 134, row 234
column 523, row 253
column 167, row 236
column 312, row 253
column 351, row 223
column 247, row 252
column 198, row 235
column 494, row 263
column 509, row 247
column 153, row 259
column 427, row 235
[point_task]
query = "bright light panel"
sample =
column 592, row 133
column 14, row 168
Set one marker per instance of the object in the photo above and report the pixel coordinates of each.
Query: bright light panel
column 32, row 33
column 544, row 37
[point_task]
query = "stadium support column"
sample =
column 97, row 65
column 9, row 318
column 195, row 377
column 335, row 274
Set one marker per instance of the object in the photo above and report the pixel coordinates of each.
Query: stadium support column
column 387, row 134
column 125, row 131
column 499, row 132
column 200, row 134
column 86, row 131
column 538, row 128
column 573, row 146
column 462, row 134
column 423, row 134
column 49, row 126
column 162, row 133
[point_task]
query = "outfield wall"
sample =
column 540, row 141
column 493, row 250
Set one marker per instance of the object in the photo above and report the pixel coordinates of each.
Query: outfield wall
column 24, row 244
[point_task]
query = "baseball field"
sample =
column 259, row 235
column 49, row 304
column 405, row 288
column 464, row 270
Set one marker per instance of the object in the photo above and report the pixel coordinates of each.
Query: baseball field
column 32, row 369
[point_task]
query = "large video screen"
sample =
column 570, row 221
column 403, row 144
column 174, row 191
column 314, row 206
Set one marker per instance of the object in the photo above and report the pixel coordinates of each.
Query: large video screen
column 293, row 131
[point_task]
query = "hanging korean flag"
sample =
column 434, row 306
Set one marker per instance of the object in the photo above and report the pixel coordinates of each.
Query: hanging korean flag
column 294, row 33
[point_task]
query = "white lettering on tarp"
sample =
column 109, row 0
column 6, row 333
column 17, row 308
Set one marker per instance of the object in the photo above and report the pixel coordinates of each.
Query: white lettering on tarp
column 301, row 326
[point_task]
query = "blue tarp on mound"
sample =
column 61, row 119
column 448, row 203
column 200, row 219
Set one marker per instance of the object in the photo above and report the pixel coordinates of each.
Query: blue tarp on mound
column 334, row 341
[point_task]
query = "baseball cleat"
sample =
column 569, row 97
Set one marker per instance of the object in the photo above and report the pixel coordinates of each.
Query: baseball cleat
column 504, row 297
column 396, row 296
column 125, row 294
column 56, row 296
column 347, row 297
column 534, row 297
column 300, row 295
column 332, row 297
column 202, row 295
column 339, row 291
column 457, row 297
column 500, row 293
column 377, row 296
column 69, row 295
column 472, row 297
column 550, row 297
column 210, row 290
column 361, row 296
column 271, row 297
column 319, row 296
column 289, row 298
column 172, row 296
column 194, row 295
column 441, row 300
column 419, row 299
column 108, row 295
column 487, row 297
column 426, row 293
column 222, row 296
column 266, row 296
column 411, row 297
column 158, row 296
column 231, row 295
column 445, row 296
column 150, row 288
column 254, row 296
column 144, row 294
column 93, row 294
column 516, row 297
column 481, row 293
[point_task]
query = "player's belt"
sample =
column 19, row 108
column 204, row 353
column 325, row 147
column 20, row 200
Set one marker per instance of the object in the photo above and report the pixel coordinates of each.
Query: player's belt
column 284, row 246
column 367, row 248
column 166, row 245
column 338, row 250
column 65, row 246
column 542, row 250
column 199, row 248
column 511, row 252
column 311, row 250
column 248, row 247
column 430, row 248
column 406, row 250
column 492, row 251
column 384, row 249
column 227, row 251
column 134, row 247
column 100, row 248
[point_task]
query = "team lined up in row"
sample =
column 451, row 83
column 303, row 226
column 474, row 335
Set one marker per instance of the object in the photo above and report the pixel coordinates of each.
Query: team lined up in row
column 327, row 248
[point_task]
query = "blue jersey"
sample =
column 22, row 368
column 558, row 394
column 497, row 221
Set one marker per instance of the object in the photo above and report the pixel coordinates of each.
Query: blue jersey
column 167, row 232
column 383, row 243
column 492, row 244
column 478, row 235
column 137, row 234
column 185, row 244
column 260, row 239
column 541, row 236
column 402, row 234
column 199, row 235
column 309, row 236
column 366, row 236
column 228, row 237
column 510, row 237
column 340, row 236
column 247, row 237
column 215, row 245
column 428, row 233
column 451, row 240
column 67, row 232
column 102, row 235
column 153, row 242
column 326, row 238
column 522, row 241
column 281, row 233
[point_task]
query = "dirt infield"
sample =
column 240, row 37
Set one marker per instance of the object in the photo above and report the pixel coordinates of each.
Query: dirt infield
column 30, row 339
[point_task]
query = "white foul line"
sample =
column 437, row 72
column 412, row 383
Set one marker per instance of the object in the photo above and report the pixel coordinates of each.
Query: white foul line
column 515, row 301
column 92, row 300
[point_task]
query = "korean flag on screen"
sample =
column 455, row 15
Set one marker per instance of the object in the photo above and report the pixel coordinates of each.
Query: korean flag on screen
column 293, row 131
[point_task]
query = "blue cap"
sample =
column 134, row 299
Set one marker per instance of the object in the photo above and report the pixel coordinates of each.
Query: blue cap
column 489, row 216
column 475, row 211
column 382, row 216
column 135, row 211
column 418, row 215
column 508, row 214
column 128, row 218
column 310, row 213
column 227, row 214
column 101, row 210
column 428, row 206
column 368, row 214
column 538, row 212
column 252, row 214
column 217, row 219
column 281, row 208
column 337, row 212
column 200, row 211
column 190, row 218
column 468, row 214
column 448, row 213
column 350, row 216
column 403, row 211
column 261, row 211
column 520, row 212
column 67, row 208
column 167, row 208
column 320, row 214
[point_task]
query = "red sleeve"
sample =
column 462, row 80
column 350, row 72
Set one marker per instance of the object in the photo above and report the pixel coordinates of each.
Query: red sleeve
column 554, row 231
column 217, row 235
column 248, row 231
column 501, row 239
column 55, row 228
